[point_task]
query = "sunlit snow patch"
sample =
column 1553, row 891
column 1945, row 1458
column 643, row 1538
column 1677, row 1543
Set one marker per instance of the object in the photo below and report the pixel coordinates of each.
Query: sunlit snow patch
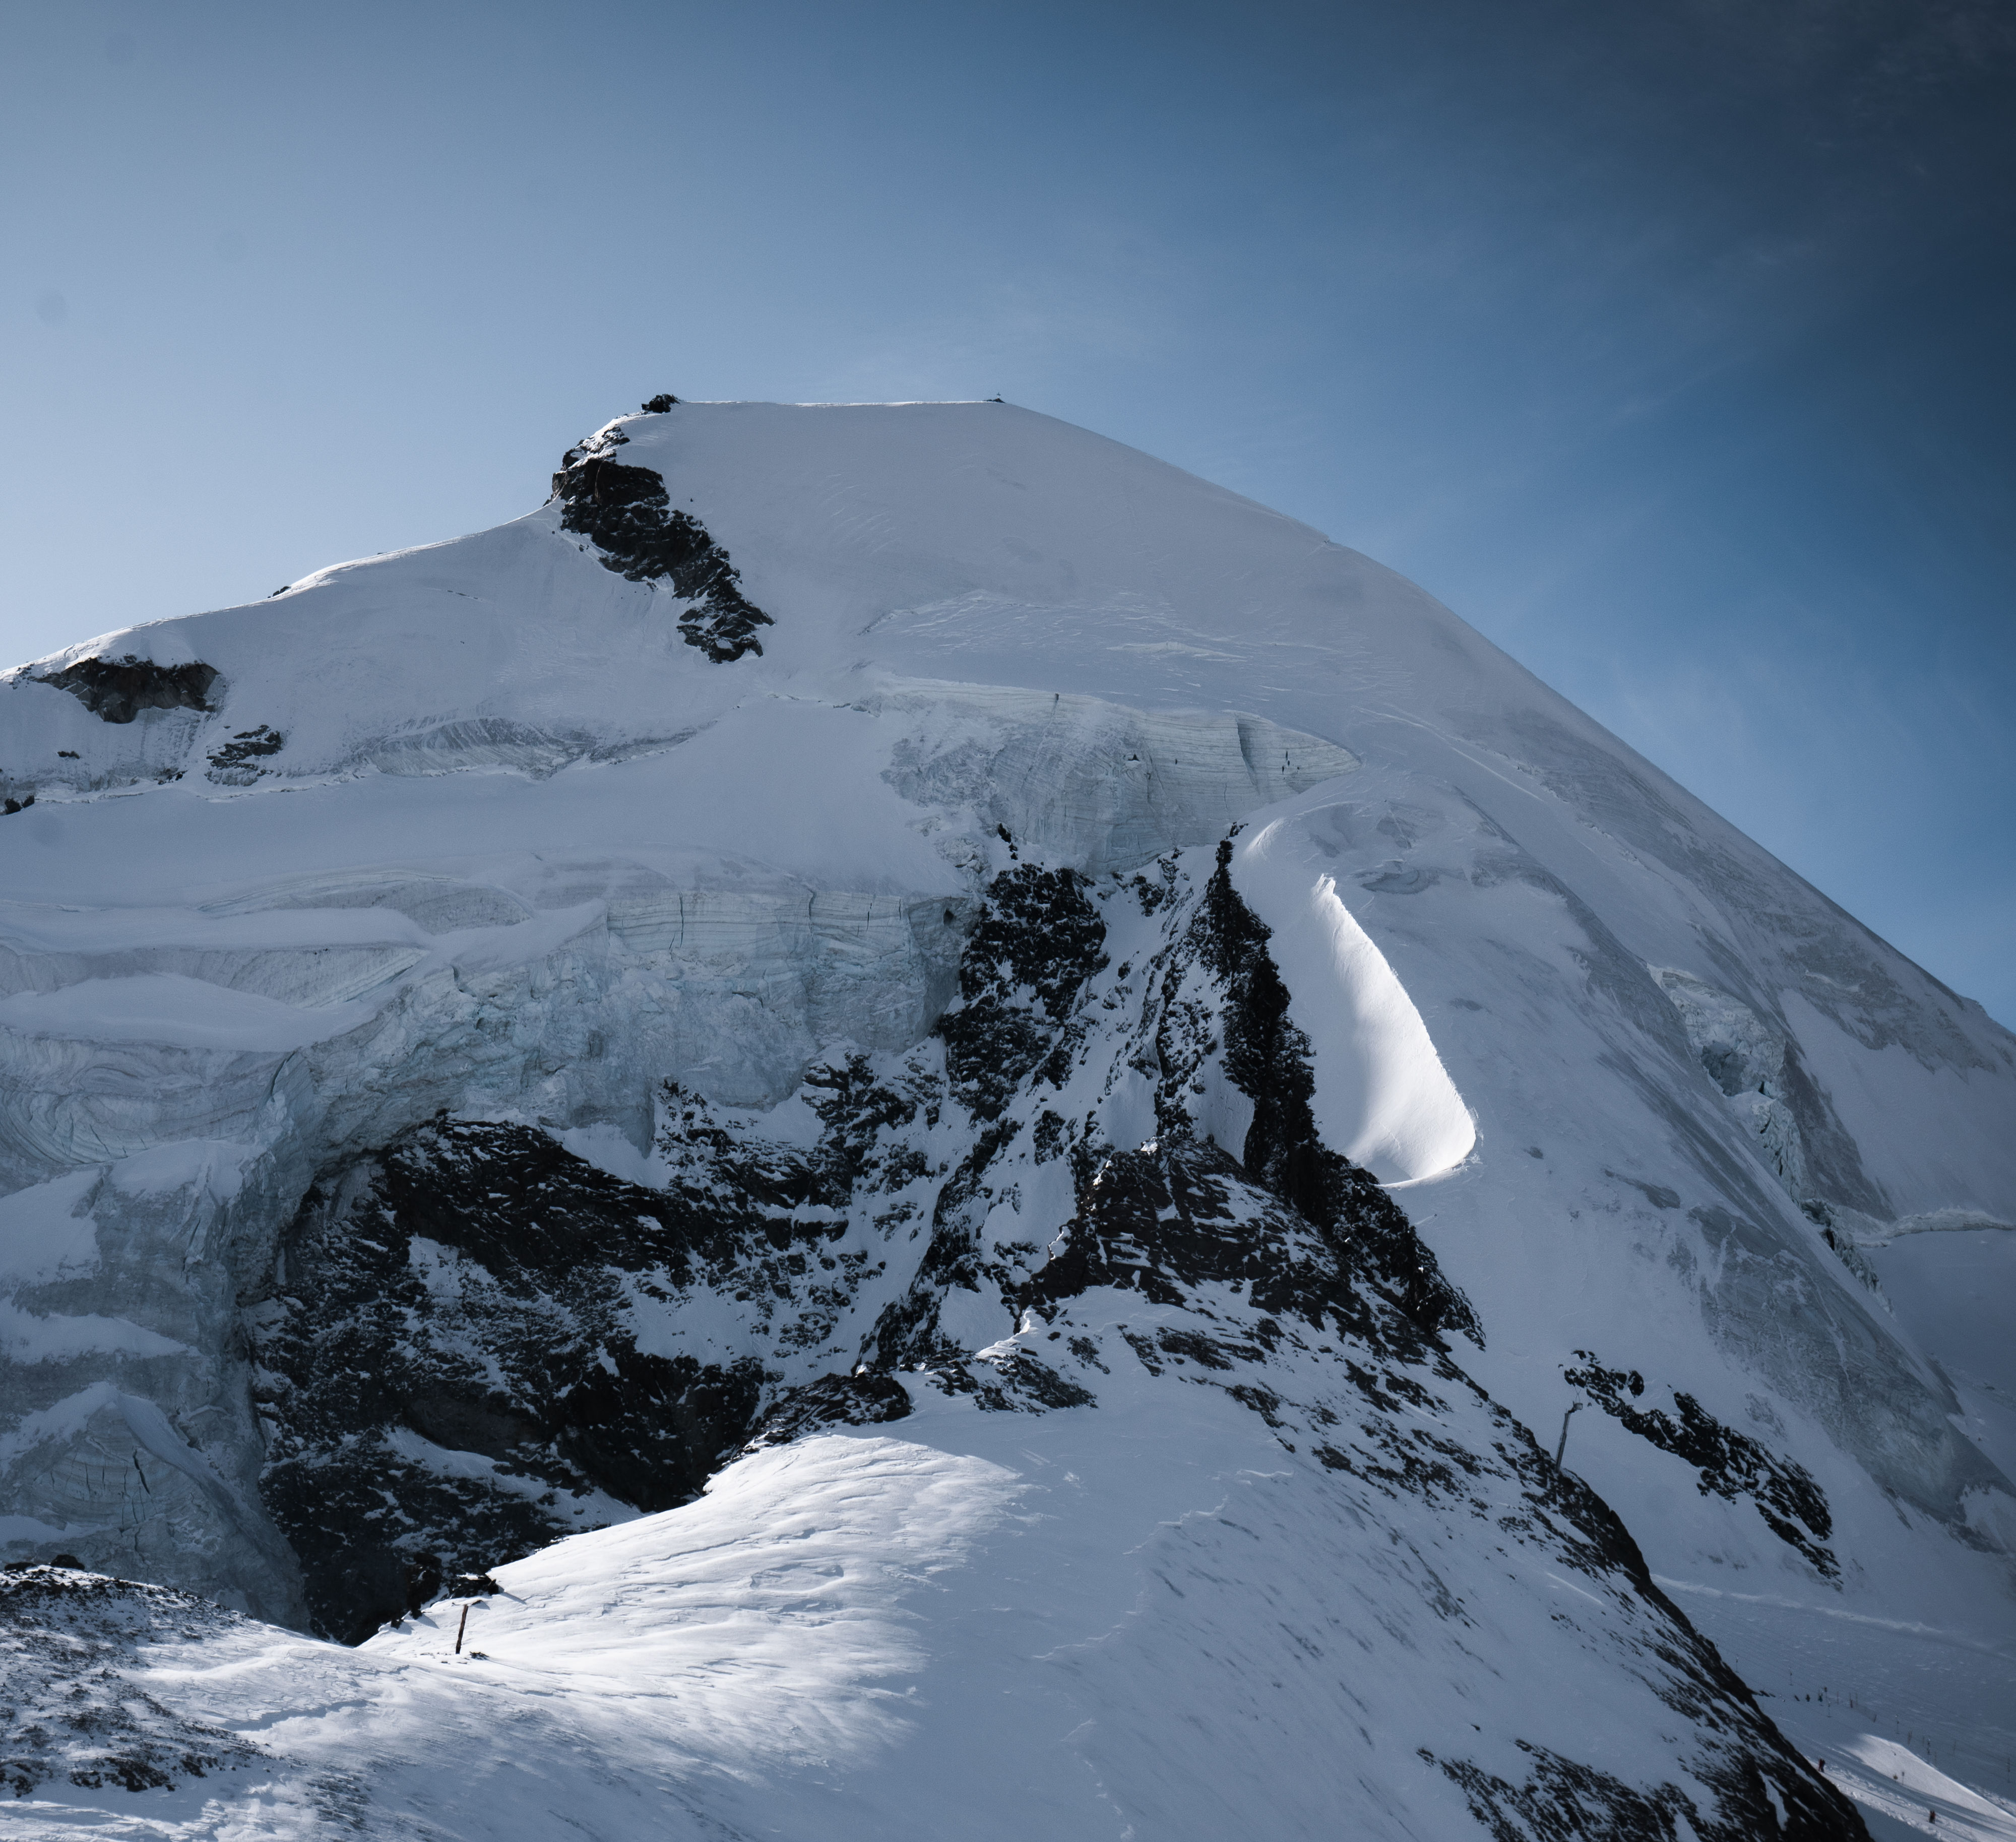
column 755, row 1628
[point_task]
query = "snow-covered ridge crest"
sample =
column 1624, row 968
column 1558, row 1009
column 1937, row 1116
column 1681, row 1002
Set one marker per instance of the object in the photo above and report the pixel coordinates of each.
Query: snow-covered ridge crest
column 1384, row 1099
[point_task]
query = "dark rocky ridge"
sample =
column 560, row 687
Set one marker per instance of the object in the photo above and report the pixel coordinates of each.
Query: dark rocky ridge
column 626, row 514
column 1277, row 1321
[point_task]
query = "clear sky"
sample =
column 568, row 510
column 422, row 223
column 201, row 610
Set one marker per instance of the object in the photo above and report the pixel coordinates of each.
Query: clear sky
column 1668, row 341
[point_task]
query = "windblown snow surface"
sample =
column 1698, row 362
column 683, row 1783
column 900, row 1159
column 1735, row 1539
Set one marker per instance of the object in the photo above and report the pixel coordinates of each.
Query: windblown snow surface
column 898, row 1125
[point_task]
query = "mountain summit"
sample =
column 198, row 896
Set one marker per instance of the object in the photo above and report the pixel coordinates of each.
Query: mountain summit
column 899, row 1124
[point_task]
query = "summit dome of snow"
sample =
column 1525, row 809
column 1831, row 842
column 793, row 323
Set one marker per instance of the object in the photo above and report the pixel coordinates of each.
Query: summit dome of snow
column 908, row 975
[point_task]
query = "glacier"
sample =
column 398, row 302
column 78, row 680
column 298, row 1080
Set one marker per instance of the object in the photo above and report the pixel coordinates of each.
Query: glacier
column 947, row 1118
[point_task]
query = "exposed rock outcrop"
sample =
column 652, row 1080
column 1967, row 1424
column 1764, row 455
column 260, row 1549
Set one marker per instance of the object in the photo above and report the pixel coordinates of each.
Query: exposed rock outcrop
column 626, row 514
column 118, row 690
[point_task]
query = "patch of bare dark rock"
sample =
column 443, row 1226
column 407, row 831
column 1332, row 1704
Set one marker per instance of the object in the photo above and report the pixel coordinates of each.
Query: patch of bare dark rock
column 234, row 763
column 626, row 513
column 118, row 690
column 1729, row 1464
column 465, row 1293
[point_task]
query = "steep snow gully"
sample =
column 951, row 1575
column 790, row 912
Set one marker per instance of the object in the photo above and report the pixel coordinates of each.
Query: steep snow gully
column 897, row 1124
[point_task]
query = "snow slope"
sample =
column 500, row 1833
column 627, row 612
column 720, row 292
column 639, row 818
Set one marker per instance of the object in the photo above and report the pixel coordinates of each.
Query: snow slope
column 738, row 781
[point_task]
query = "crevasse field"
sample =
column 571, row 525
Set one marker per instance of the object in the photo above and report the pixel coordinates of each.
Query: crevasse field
column 898, row 1125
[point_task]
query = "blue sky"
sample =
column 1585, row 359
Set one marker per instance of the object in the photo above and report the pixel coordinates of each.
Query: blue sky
column 1668, row 343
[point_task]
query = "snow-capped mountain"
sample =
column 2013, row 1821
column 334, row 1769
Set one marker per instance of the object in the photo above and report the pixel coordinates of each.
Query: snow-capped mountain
column 947, row 1119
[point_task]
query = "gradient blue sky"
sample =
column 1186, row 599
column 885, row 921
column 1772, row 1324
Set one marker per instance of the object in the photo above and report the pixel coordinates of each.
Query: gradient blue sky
column 1668, row 341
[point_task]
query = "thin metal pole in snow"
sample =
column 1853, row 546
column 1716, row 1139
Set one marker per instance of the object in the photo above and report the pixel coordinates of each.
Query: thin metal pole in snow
column 459, row 1629
column 1563, row 1447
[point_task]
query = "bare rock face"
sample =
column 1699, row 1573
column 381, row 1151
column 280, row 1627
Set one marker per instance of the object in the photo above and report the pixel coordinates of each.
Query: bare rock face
column 625, row 512
column 116, row 690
